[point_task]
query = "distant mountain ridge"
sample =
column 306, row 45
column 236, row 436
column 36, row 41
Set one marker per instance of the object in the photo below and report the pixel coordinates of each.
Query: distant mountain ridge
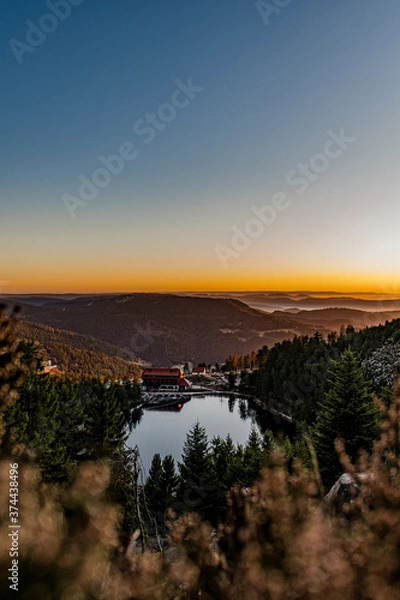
column 166, row 329
column 271, row 302
column 335, row 318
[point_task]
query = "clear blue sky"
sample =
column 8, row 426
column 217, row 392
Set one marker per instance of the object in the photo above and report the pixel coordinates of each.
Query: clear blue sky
column 271, row 93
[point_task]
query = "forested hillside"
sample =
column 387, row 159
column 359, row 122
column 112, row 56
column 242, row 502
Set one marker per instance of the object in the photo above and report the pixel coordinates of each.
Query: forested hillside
column 168, row 328
column 291, row 375
column 80, row 355
column 165, row 328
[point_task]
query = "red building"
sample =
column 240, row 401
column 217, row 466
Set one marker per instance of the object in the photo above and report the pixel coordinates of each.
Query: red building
column 184, row 384
column 199, row 371
column 155, row 377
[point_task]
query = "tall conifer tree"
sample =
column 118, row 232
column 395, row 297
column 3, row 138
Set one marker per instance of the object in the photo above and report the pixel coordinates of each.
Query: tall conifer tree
column 347, row 412
column 198, row 487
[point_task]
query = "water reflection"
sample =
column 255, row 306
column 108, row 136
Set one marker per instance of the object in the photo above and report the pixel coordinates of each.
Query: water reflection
column 169, row 408
column 137, row 416
column 164, row 429
column 243, row 409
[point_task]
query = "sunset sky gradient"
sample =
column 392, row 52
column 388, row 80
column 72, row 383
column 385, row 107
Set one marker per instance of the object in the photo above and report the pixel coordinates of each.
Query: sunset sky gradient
column 271, row 94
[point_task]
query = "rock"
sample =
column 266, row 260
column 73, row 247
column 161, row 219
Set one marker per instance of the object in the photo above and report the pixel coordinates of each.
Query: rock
column 343, row 493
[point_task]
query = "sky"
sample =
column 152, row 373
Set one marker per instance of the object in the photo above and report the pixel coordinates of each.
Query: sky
column 213, row 145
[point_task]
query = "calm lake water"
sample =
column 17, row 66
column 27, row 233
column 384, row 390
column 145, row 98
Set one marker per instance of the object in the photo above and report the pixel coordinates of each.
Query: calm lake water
column 164, row 431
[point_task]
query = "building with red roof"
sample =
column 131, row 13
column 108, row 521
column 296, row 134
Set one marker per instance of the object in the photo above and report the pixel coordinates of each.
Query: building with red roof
column 155, row 377
column 184, row 384
column 199, row 371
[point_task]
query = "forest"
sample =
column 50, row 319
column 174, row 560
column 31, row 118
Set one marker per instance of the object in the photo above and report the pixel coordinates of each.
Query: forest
column 291, row 375
column 78, row 356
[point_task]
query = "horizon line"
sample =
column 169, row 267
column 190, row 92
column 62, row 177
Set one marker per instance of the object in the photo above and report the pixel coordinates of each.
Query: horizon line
column 177, row 292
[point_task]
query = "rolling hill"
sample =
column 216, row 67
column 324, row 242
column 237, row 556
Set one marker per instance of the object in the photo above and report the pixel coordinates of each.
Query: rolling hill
column 76, row 354
column 165, row 329
column 335, row 318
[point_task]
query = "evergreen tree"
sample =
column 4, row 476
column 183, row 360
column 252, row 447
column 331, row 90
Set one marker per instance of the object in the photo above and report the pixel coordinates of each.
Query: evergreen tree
column 269, row 442
column 11, row 369
column 348, row 412
column 153, row 487
column 169, row 480
column 72, row 419
column 238, row 466
column 231, row 380
column 128, row 395
column 121, row 488
column 105, row 425
column 31, row 356
column 198, row 489
column 35, row 420
column 223, row 455
column 253, row 458
column 160, row 490
column 221, row 459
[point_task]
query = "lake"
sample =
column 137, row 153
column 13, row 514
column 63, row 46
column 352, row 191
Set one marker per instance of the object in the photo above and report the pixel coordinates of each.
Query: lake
column 164, row 431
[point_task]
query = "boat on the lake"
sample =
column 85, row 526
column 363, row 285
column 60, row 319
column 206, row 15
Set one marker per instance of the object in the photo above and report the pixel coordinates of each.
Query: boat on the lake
column 167, row 400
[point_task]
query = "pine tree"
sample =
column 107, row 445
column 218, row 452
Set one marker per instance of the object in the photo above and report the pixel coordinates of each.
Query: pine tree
column 35, row 421
column 121, row 489
column 253, row 458
column 11, row 369
column 347, row 412
column 105, row 425
column 222, row 460
column 153, row 487
column 169, row 480
column 72, row 419
column 231, row 380
column 198, row 488
column 128, row 395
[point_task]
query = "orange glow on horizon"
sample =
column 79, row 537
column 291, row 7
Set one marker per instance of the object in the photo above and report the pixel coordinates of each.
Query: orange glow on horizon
column 114, row 282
